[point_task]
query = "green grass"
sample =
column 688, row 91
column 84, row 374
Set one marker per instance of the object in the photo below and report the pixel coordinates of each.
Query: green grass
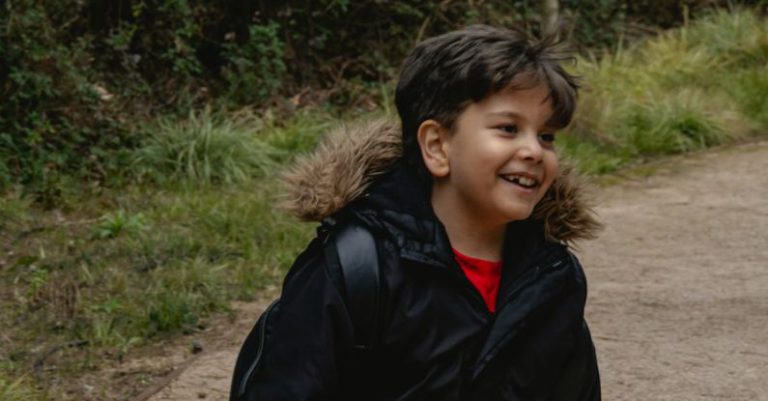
column 750, row 89
column 204, row 148
column 690, row 88
column 17, row 390
column 125, row 268
column 120, row 269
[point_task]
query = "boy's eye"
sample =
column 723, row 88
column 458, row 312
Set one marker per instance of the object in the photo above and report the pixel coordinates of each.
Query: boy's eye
column 547, row 137
column 509, row 128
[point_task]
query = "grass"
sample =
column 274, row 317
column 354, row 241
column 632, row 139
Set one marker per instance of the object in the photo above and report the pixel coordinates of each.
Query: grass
column 690, row 88
column 111, row 271
column 114, row 271
column 204, row 148
column 17, row 390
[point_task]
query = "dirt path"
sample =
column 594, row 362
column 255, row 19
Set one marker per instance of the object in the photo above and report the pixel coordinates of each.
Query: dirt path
column 679, row 281
column 678, row 286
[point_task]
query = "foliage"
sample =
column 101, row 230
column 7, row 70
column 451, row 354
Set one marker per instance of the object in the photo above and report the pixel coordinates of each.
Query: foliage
column 687, row 89
column 52, row 119
column 80, row 77
column 118, row 270
column 257, row 69
column 749, row 89
column 113, row 224
column 204, row 148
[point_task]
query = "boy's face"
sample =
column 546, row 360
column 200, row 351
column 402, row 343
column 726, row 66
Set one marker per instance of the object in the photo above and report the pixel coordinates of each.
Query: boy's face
column 500, row 157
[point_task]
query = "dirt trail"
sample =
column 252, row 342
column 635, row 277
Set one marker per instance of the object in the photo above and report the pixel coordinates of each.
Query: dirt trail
column 678, row 286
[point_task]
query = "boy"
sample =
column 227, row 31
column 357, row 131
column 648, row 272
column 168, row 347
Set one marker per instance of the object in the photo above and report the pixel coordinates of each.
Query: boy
column 480, row 298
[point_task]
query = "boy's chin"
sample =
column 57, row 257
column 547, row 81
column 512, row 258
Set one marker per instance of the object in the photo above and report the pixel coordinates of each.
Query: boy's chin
column 519, row 215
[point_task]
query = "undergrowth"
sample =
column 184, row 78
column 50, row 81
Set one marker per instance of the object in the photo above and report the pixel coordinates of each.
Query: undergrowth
column 694, row 87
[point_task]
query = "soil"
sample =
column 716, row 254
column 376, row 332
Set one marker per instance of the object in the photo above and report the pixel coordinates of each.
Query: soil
column 678, row 303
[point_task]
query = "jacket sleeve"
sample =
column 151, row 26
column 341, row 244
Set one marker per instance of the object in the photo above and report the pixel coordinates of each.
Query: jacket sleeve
column 305, row 356
column 579, row 380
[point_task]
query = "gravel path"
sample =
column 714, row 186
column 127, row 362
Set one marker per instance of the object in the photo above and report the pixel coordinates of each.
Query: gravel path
column 678, row 286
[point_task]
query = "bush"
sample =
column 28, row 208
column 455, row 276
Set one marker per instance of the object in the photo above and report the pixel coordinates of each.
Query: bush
column 52, row 118
column 257, row 69
column 669, row 126
column 686, row 89
column 750, row 89
column 204, row 148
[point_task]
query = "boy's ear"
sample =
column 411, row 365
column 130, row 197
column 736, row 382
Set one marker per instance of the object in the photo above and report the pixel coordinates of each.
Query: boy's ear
column 434, row 144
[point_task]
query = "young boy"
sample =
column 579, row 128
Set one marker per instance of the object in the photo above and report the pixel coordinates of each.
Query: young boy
column 480, row 298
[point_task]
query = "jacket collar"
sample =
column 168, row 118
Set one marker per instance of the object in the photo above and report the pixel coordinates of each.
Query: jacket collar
column 356, row 169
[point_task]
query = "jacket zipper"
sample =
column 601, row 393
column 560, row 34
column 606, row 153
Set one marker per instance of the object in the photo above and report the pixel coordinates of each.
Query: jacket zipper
column 257, row 360
column 454, row 270
column 525, row 279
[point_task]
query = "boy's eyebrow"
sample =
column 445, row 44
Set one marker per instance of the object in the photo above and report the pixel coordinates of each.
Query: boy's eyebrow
column 517, row 116
column 505, row 114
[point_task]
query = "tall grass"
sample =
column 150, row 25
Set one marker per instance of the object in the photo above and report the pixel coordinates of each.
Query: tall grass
column 210, row 148
column 690, row 88
column 749, row 88
column 204, row 148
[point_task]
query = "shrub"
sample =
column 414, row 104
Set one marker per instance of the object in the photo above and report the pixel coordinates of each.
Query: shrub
column 750, row 89
column 52, row 119
column 669, row 126
column 205, row 148
column 256, row 68
column 683, row 90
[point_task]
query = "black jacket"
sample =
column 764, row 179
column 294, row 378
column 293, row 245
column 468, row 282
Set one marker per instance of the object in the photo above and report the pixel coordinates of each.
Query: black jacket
column 437, row 340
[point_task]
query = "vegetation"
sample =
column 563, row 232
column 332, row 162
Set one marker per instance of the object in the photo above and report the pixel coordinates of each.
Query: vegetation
column 80, row 78
column 133, row 210
column 690, row 88
column 116, row 270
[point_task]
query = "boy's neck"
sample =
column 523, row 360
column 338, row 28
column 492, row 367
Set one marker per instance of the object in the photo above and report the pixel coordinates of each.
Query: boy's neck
column 468, row 232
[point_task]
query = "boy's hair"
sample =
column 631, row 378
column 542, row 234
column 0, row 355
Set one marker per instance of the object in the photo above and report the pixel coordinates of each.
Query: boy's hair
column 446, row 73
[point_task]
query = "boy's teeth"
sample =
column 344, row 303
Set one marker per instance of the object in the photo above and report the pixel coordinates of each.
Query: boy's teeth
column 526, row 181
column 523, row 181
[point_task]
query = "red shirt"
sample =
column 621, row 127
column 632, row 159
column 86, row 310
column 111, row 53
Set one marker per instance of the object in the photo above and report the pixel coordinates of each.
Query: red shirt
column 485, row 275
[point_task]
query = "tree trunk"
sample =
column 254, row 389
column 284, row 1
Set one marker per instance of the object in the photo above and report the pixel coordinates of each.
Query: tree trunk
column 550, row 17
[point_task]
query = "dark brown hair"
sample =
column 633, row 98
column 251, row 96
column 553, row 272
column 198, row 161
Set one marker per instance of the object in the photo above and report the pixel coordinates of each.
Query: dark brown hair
column 444, row 74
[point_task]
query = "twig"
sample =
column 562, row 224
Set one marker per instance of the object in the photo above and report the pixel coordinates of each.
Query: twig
column 165, row 381
column 40, row 363
column 423, row 28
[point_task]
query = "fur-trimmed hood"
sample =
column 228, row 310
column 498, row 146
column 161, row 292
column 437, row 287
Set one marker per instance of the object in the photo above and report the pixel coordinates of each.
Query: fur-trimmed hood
column 350, row 157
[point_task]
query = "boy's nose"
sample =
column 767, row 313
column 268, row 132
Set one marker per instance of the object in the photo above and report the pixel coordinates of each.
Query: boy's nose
column 530, row 148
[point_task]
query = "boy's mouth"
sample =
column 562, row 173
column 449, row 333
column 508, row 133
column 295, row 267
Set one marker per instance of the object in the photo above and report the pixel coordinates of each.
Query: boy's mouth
column 521, row 180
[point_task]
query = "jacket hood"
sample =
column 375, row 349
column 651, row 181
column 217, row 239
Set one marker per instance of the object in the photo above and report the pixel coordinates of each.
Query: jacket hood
column 350, row 157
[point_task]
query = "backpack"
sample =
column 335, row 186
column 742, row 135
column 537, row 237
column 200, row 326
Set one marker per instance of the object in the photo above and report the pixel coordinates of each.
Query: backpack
column 352, row 262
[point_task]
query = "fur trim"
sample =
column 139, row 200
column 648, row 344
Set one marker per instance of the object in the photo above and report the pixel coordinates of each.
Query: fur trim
column 350, row 157
column 340, row 168
column 565, row 209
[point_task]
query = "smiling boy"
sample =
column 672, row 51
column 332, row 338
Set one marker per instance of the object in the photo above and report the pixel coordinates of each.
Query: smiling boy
column 492, row 168
column 480, row 298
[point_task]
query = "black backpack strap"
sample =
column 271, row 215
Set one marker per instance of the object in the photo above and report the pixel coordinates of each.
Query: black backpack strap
column 353, row 262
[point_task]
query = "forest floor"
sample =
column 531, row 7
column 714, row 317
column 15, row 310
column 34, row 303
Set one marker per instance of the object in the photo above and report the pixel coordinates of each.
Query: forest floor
column 678, row 303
